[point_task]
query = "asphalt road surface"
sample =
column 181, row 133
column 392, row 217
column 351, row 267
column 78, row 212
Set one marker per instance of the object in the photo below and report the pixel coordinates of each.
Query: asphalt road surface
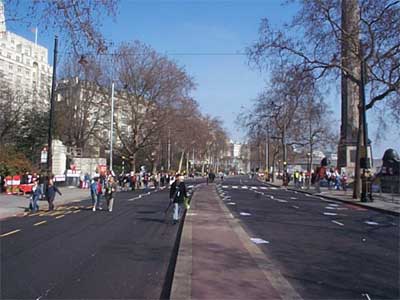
column 326, row 249
column 74, row 252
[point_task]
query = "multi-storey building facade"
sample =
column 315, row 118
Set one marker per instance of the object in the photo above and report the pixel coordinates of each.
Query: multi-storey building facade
column 24, row 66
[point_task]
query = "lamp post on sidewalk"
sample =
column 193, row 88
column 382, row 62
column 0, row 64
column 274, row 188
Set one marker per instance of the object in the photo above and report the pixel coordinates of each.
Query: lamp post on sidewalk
column 51, row 116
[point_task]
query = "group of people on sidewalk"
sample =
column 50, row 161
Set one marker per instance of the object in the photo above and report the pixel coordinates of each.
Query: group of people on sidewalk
column 103, row 186
column 330, row 176
column 38, row 192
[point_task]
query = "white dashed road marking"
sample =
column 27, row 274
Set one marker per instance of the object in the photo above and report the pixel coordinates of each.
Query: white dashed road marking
column 330, row 214
column 10, row 233
column 371, row 223
column 336, row 222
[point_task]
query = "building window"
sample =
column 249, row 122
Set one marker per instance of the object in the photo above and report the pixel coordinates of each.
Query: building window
column 17, row 58
column 12, row 41
column 27, row 72
column 10, row 66
column 8, row 55
column 28, row 62
column 19, row 69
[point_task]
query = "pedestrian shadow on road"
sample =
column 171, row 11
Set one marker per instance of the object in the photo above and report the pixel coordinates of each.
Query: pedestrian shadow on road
column 155, row 220
column 147, row 212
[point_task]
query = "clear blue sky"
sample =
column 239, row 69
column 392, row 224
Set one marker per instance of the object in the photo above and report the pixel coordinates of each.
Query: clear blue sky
column 224, row 82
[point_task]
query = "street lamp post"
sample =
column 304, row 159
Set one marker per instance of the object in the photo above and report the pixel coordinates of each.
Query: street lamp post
column 364, row 161
column 112, row 126
column 51, row 117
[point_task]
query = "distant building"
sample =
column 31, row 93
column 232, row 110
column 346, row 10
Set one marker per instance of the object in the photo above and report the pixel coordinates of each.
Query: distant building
column 24, row 65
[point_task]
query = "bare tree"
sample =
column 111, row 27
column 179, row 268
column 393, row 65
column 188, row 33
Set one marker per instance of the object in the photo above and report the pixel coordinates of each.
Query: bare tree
column 291, row 111
column 78, row 21
column 82, row 99
column 326, row 45
column 153, row 85
column 11, row 103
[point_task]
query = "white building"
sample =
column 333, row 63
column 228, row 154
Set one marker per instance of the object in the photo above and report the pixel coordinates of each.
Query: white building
column 24, row 65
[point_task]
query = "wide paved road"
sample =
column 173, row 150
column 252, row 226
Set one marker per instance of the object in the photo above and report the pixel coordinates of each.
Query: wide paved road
column 74, row 252
column 326, row 249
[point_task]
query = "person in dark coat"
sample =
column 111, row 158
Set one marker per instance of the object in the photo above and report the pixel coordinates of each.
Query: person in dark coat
column 51, row 193
column 177, row 195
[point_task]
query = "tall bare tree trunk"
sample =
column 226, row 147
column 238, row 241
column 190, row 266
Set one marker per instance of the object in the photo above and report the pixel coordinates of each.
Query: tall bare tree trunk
column 133, row 163
column 181, row 162
column 187, row 163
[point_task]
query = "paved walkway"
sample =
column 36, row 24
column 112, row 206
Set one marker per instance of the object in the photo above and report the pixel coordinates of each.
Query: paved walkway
column 383, row 202
column 217, row 259
column 11, row 205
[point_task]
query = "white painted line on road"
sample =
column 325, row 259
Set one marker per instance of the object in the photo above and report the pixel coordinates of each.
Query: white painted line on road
column 366, row 295
column 281, row 200
column 245, row 187
column 59, row 217
column 224, row 186
column 254, row 188
column 294, row 206
column 272, row 197
column 330, row 214
column 263, row 187
column 76, row 211
column 296, row 192
column 231, row 203
column 336, row 222
column 10, row 233
column 259, row 241
column 245, row 214
column 234, row 186
column 330, row 207
column 293, row 198
column 190, row 186
column 273, row 188
column 333, row 204
column 39, row 223
column 371, row 223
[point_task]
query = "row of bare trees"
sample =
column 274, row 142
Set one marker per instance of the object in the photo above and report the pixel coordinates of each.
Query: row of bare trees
column 156, row 122
column 290, row 116
column 356, row 40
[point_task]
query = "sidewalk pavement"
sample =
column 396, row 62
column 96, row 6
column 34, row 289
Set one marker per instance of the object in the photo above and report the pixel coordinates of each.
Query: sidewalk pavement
column 217, row 259
column 389, row 203
column 13, row 205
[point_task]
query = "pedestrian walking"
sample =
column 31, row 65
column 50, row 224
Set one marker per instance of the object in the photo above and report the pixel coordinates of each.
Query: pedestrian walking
column 93, row 190
column 51, row 194
column 177, row 196
column 99, row 192
column 36, row 193
column 111, row 188
column 146, row 181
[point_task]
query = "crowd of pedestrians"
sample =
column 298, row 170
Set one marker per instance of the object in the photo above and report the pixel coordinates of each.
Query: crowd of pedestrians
column 321, row 176
column 102, row 188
